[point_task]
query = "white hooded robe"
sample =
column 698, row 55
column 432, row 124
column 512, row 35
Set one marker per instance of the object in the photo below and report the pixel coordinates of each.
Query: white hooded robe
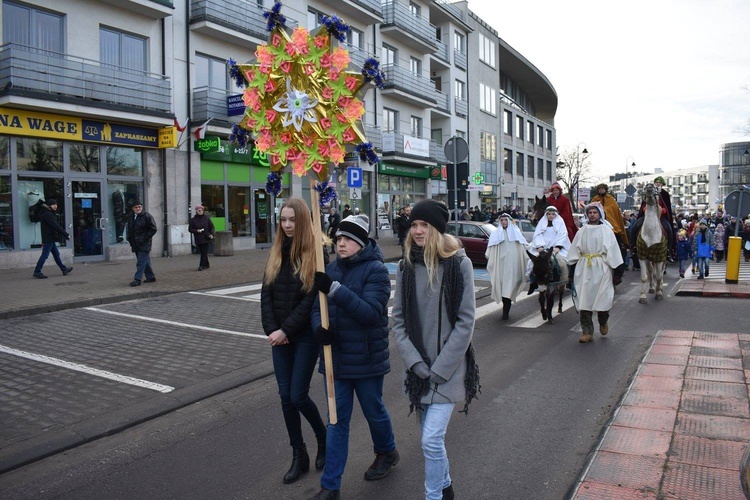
column 506, row 262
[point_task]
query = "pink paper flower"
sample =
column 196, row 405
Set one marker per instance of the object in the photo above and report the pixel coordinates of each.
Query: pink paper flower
column 286, row 137
column 271, row 115
column 299, row 39
column 321, row 41
column 285, row 67
column 340, row 58
column 336, row 153
column 349, row 135
column 317, row 167
column 327, row 93
column 298, row 166
column 325, row 123
column 276, row 39
column 325, row 60
column 354, row 109
column 270, row 86
column 351, row 83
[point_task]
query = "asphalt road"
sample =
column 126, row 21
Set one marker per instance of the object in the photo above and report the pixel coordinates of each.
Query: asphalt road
column 545, row 399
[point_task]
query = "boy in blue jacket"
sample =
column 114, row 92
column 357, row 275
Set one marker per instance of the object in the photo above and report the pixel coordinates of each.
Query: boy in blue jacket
column 358, row 288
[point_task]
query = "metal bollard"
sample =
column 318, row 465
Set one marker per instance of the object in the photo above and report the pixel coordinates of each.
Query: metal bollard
column 734, row 251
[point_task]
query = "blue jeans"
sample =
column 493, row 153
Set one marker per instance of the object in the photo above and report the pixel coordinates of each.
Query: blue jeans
column 46, row 249
column 143, row 264
column 437, row 475
column 703, row 265
column 293, row 365
column 370, row 395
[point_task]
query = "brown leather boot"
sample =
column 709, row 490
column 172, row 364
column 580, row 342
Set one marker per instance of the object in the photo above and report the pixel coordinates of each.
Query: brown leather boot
column 586, row 337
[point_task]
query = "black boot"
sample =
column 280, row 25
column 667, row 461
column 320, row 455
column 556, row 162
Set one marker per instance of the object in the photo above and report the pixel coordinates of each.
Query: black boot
column 448, row 492
column 320, row 458
column 325, row 494
column 300, row 465
column 382, row 465
column 506, row 307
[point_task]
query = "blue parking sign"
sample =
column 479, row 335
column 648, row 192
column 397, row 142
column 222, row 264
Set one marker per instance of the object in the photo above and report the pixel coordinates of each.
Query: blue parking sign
column 354, row 177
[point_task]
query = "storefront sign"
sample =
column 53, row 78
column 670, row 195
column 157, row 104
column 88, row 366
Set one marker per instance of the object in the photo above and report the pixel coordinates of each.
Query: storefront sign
column 168, row 137
column 50, row 126
column 404, row 171
column 207, row 145
column 235, row 105
column 439, row 172
column 416, row 146
column 229, row 152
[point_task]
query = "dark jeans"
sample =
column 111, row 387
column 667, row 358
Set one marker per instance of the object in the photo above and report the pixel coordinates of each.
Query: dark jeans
column 370, row 395
column 46, row 249
column 143, row 265
column 293, row 365
column 203, row 248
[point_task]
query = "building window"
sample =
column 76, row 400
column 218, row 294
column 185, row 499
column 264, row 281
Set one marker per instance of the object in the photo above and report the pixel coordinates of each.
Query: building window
column 488, row 146
column 390, row 120
column 355, row 38
column 539, row 135
column 487, row 99
column 530, row 167
column 313, row 19
column 415, row 65
column 461, row 134
column 459, row 89
column 84, row 157
column 530, row 132
column 414, row 9
column 519, row 164
column 436, row 135
column 210, row 72
column 540, row 169
column 519, row 127
column 548, row 140
column 123, row 50
column 389, row 55
column 416, row 126
column 459, row 42
column 6, row 214
column 32, row 27
column 549, row 171
column 507, row 162
column 507, row 122
column 486, row 50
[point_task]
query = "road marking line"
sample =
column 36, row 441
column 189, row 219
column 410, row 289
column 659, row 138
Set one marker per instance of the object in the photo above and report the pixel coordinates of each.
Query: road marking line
column 175, row 323
column 237, row 289
column 223, row 296
column 87, row 369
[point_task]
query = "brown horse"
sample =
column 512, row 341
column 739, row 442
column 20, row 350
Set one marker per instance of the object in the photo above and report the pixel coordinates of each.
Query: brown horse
column 540, row 205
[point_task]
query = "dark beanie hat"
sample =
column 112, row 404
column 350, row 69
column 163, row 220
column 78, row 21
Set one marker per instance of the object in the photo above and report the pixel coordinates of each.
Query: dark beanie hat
column 355, row 227
column 136, row 202
column 432, row 212
column 51, row 202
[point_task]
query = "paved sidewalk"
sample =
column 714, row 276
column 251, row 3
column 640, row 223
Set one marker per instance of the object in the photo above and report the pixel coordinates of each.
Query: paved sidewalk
column 681, row 427
column 108, row 282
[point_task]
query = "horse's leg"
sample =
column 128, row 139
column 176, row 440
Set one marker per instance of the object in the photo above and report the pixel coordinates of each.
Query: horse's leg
column 660, row 279
column 550, row 302
column 644, row 281
column 542, row 304
column 561, row 292
column 651, row 276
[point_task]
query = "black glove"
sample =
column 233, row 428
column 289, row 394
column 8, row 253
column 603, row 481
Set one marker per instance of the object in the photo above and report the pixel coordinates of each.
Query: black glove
column 323, row 336
column 323, row 282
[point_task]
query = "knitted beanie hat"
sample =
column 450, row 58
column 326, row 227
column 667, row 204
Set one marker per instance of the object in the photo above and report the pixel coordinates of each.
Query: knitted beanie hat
column 432, row 212
column 355, row 227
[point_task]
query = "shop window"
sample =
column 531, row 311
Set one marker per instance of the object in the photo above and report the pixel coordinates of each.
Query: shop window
column 212, row 198
column 4, row 153
column 124, row 161
column 39, row 155
column 30, row 190
column 6, row 214
column 84, row 158
column 239, row 210
column 122, row 195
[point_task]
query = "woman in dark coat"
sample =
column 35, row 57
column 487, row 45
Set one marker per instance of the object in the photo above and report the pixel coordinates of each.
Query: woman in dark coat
column 203, row 232
column 287, row 298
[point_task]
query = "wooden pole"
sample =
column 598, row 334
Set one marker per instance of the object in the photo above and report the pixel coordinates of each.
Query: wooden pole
column 327, row 356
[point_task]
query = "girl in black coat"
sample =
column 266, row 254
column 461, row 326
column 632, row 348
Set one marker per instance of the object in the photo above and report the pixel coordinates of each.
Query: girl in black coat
column 287, row 298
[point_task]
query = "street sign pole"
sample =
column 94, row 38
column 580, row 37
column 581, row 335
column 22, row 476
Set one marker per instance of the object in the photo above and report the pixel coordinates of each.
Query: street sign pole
column 456, row 149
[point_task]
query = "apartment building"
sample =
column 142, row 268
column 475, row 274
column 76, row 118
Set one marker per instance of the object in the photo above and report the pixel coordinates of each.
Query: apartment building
column 90, row 90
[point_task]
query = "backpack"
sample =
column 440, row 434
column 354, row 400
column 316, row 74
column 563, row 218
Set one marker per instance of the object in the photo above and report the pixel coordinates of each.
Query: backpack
column 34, row 211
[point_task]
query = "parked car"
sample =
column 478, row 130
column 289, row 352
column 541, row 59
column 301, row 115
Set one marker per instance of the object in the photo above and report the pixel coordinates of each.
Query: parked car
column 527, row 228
column 474, row 236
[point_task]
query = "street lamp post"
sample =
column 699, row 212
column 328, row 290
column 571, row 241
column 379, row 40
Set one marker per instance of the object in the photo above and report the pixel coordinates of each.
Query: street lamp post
column 627, row 180
column 578, row 172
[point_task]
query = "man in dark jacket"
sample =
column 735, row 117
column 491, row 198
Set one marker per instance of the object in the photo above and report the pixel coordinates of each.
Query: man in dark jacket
column 141, row 229
column 50, row 228
column 203, row 232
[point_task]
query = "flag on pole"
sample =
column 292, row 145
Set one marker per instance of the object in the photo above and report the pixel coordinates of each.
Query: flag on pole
column 181, row 127
column 200, row 132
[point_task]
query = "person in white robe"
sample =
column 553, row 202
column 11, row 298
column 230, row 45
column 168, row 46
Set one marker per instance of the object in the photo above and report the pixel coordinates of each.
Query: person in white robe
column 506, row 262
column 550, row 233
column 595, row 254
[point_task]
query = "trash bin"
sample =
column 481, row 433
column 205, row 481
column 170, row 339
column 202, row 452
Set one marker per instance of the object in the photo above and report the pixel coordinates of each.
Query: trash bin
column 223, row 243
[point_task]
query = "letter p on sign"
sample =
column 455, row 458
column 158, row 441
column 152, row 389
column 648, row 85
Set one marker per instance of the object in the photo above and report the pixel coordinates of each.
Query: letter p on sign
column 354, row 177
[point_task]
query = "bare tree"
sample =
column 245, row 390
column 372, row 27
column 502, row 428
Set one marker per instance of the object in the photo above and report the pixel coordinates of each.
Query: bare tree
column 573, row 169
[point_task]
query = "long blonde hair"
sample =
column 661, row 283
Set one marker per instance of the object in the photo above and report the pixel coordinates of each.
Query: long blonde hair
column 437, row 247
column 302, row 253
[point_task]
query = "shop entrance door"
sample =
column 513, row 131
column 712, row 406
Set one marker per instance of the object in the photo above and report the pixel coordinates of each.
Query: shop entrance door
column 89, row 224
column 262, row 206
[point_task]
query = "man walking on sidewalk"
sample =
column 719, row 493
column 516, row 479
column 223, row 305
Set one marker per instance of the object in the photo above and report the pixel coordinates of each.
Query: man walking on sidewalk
column 141, row 230
column 50, row 228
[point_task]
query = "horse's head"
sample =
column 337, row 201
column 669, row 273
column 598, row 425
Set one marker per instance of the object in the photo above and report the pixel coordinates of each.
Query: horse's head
column 540, row 205
column 541, row 267
column 650, row 194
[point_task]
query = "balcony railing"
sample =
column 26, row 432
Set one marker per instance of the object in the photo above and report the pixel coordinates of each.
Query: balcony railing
column 442, row 52
column 35, row 72
column 375, row 136
column 451, row 8
column 359, row 55
column 209, row 102
column 399, row 15
column 406, row 81
column 461, row 59
column 462, row 107
column 443, row 101
column 238, row 15
column 437, row 152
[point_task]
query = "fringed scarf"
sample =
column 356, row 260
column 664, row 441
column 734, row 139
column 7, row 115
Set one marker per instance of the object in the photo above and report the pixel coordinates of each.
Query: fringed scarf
column 452, row 288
